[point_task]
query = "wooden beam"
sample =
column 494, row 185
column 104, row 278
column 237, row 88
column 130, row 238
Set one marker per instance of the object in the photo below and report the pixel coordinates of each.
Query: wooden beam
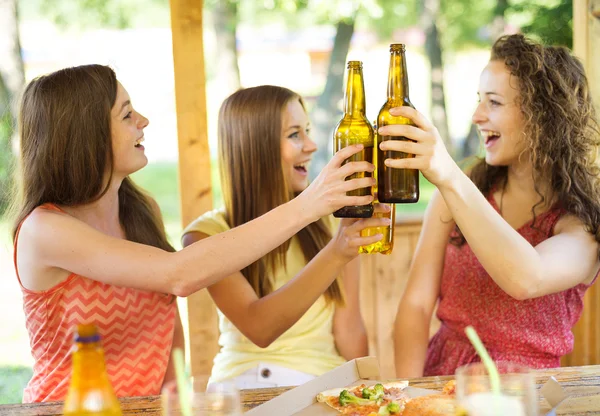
column 194, row 162
column 586, row 45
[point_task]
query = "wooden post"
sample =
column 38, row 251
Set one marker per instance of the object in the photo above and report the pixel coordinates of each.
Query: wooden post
column 586, row 45
column 194, row 162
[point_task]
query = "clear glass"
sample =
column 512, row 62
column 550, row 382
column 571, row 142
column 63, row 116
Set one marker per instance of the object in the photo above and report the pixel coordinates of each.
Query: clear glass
column 218, row 399
column 517, row 386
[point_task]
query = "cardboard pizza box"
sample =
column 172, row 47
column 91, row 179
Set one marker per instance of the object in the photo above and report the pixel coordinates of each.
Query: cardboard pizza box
column 301, row 400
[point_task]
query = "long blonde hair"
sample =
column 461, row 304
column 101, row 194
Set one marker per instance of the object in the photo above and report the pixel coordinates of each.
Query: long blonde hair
column 252, row 179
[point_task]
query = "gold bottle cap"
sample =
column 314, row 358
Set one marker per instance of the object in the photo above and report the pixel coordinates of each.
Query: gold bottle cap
column 355, row 64
column 397, row 47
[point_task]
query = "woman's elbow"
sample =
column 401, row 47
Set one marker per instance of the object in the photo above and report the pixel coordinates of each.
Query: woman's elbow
column 524, row 289
column 182, row 283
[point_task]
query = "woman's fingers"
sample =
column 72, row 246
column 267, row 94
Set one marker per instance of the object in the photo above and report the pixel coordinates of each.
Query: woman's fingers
column 355, row 167
column 404, row 130
column 343, row 154
column 406, row 147
column 354, row 201
column 419, row 119
column 358, row 183
column 364, row 241
column 367, row 223
column 381, row 208
column 409, row 163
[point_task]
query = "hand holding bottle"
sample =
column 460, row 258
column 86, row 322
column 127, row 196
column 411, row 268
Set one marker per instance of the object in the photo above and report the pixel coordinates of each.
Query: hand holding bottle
column 431, row 156
column 348, row 238
column 328, row 192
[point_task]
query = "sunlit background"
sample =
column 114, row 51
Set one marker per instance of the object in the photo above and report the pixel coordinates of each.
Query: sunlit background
column 248, row 43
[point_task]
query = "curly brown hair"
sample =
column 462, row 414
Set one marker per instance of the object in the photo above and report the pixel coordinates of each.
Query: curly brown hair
column 560, row 124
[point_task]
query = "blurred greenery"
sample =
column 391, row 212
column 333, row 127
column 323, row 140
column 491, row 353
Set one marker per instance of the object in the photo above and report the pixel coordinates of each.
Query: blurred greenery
column 550, row 21
column 6, row 160
column 12, row 381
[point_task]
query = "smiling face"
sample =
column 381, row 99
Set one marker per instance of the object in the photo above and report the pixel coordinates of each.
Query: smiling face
column 296, row 146
column 127, row 133
column 498, row 115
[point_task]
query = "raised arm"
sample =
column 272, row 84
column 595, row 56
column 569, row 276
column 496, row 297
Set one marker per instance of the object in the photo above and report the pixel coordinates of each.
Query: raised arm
column 50, row 240
column 523, row 271
column 411, row 328
column 348, row 327
column 263, row 320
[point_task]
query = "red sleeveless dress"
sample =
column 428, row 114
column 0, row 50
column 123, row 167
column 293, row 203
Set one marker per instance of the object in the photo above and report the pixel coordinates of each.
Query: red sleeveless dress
column 533, row 332
column 136, row 327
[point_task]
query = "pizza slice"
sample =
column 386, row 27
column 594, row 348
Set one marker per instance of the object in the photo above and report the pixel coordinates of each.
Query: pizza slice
column 380, row 399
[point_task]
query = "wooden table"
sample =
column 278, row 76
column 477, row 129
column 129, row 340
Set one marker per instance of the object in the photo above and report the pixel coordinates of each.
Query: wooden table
column 582, row 384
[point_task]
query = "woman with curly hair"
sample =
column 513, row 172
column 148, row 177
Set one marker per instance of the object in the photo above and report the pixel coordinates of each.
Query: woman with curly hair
column 511, row 246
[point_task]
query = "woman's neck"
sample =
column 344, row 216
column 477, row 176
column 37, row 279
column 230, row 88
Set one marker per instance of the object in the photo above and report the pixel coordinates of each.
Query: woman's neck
column 520, row 182
column 102, row 214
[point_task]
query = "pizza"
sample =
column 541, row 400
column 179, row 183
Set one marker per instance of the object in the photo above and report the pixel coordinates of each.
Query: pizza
column 389, row 399
column 380, row 399
column 432, row 405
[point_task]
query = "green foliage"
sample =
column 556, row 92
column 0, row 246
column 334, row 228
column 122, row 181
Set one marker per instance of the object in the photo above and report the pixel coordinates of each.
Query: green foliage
column 13, row 380
column 465, row 23
column 550, row 21
column 6, row 161
column 391, row 16
column 82, row 14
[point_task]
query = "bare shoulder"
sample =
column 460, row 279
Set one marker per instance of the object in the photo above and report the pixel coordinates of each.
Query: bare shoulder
column 570, row 223
column 41, row 223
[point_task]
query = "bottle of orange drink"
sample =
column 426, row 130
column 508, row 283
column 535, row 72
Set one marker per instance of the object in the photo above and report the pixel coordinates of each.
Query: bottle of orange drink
column 90, row 392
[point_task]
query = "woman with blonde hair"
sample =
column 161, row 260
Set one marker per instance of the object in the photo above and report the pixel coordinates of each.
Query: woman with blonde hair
column 294, row 313
column 90, row 246
column 512, row 246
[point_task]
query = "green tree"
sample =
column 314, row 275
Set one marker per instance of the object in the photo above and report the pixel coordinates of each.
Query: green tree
column 550, row 21
column 11, row 82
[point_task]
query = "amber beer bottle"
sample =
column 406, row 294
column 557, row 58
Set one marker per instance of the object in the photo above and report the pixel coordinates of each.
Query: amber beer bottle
column 355, row 128
column 386, row 244
column 395, row 185
column 90, row 392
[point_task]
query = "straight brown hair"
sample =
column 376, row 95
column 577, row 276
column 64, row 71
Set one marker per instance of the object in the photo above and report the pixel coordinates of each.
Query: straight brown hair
column 252, row 179
column 66, row 150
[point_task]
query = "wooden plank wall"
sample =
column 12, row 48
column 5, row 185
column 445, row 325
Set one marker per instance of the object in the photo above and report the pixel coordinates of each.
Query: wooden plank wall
column 194, row 162
column 383, row 280
column 586, row 45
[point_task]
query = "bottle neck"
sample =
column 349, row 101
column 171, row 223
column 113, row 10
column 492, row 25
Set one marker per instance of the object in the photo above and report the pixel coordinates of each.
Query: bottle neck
column 397, row 78
column 354, row 99
column 88, row 358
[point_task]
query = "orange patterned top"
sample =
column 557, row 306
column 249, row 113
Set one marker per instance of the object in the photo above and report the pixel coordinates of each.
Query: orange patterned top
column 136, row 327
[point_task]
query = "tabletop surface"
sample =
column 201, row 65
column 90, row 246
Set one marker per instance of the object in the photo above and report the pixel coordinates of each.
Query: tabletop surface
column 582, row 385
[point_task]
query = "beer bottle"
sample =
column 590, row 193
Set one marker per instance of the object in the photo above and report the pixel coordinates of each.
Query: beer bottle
column 395, row 185
column 386, row 244
column 90, row 392
column 355, row 128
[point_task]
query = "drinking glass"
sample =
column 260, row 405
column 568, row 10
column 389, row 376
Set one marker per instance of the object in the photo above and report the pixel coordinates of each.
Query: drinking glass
column 518, row 396
column 216, row 399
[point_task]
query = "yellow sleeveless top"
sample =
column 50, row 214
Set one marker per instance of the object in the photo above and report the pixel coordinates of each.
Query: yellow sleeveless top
column 308, row 346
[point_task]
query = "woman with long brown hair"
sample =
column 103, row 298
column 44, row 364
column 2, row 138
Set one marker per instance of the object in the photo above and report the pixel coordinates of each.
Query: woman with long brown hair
column 512, row 246
column 294, row 313
column 90, row 246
